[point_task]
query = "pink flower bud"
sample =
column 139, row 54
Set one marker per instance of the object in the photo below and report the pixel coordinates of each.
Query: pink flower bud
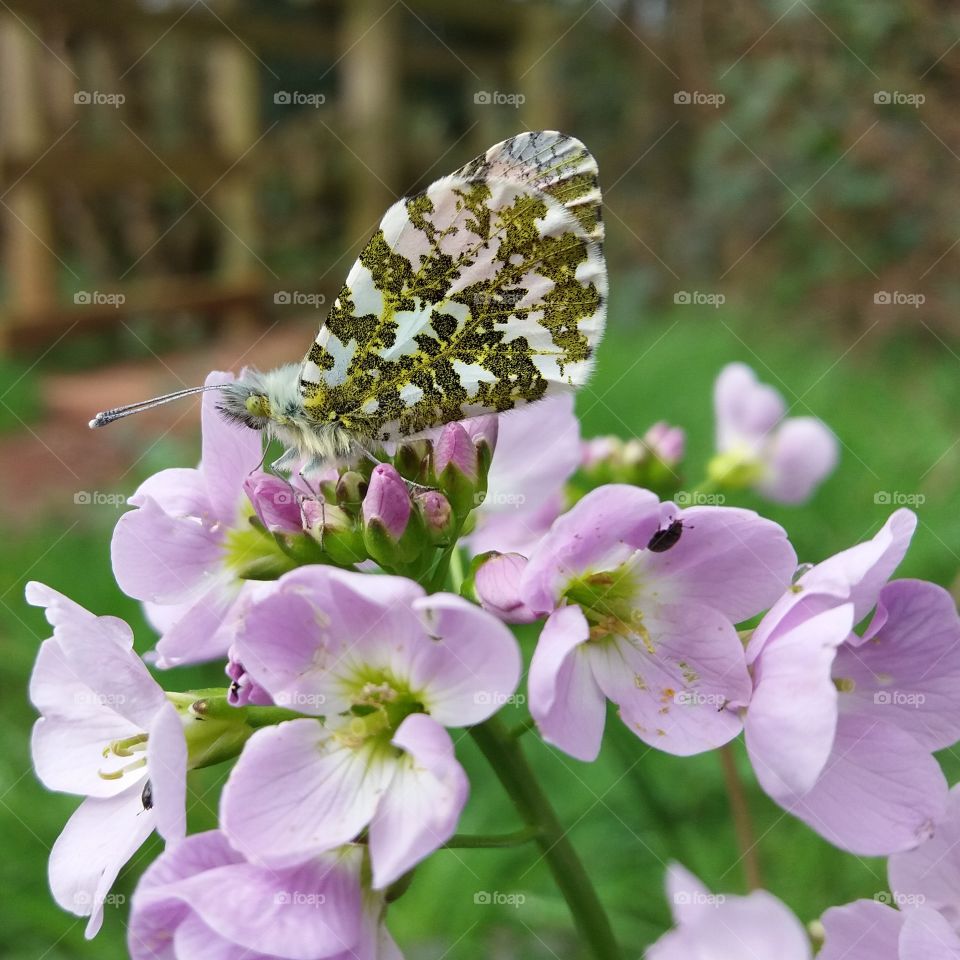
column 497, row 585
column 436, row 509
column 387, row 501
column 274, row 501
column 667, row 443
column 455, row 446
column 483, row 430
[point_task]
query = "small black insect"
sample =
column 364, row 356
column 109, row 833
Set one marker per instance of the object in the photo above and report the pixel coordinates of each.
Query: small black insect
column 665, row 539
column 147, row 796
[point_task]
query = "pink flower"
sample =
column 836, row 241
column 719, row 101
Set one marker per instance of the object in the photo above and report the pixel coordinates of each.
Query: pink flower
column 274, row 501
column 722, row 927
column 200, row 898
column 107, row 732
column 497, row 584
column 455, row 448
column 537, row 451
column 642, row 600
column 180, row 549
column 841, row 726
column 388, row 668
column 869, row 930
column 782, row 458
column 387, row 501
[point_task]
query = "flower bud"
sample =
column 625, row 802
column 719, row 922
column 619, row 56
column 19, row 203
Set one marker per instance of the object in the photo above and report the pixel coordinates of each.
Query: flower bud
column 496, row 586
column 351, row 489
column 412, row 460
column 274, row 501
column 483, row 431
column 387, row 502
column 335, row 531
column 437, row 516
column 667, row 443
column 455, row 448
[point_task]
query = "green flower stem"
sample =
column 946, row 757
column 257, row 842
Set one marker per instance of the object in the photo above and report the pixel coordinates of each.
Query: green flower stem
column 510, row 765
column 492, row 841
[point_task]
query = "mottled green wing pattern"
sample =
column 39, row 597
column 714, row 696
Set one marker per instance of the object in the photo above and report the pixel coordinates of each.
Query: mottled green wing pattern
column 484, row 292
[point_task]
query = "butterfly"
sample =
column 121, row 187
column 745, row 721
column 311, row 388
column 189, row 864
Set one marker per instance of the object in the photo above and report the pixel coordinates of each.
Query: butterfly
column 482, row 293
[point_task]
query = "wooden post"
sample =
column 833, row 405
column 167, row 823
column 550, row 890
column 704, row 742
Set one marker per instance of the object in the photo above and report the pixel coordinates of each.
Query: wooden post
column 27, row 255
column 234, row 116
column 369, row 110
column 540, row 28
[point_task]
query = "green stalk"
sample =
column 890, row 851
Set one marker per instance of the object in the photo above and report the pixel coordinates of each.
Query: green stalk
column 511, row 767
column 491, row 841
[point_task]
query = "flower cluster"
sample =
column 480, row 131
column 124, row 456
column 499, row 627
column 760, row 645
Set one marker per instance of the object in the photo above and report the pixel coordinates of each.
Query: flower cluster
column 364, row 611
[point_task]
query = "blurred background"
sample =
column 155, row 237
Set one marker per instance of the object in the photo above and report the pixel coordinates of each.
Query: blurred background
column 184, row 186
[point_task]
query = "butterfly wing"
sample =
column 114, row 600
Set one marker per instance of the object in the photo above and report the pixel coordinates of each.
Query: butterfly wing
column 483, row 292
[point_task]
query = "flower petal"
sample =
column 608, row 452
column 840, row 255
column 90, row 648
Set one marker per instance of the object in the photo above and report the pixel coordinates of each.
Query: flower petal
column 926, row 935
column 100, row 837
column 600, row 532
column 421, row 809
column 746, row 410
column 866, row 567
column 468, row 663
column 880, row 792
column 792, row 718
column 675, row 699
column 204, row 629
column 297, row 791
column 565, row 700
column 167, row 770
column 497, row 584
column 162, row 558
column 862, row 930
column 178, row 491
column 802, row 452
column 730, row 559
column 930, row 873
column 687, row 895
column 230, row 452
column 909, row 671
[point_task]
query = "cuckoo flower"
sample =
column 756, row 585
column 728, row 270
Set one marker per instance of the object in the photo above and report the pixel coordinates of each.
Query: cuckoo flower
column 384, row 669
column 870, row 930
column 722, row 927
column 642, row 600
column 538, row 450
column 181, row 549
column 841, row 726
column 202, row 899
column 108, row 733
column 782, row 458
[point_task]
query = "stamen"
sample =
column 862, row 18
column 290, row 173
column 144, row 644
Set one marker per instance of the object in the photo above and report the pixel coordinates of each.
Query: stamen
column 128, row 768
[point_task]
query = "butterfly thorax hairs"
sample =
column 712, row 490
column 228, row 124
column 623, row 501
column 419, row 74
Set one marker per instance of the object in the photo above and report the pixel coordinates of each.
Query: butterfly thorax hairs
column 272, row 402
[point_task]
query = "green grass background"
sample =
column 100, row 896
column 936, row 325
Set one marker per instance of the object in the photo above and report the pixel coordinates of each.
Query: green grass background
column 893, row 403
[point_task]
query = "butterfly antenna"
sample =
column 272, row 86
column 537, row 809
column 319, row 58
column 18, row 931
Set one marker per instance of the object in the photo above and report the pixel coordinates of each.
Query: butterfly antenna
column 118, row 413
